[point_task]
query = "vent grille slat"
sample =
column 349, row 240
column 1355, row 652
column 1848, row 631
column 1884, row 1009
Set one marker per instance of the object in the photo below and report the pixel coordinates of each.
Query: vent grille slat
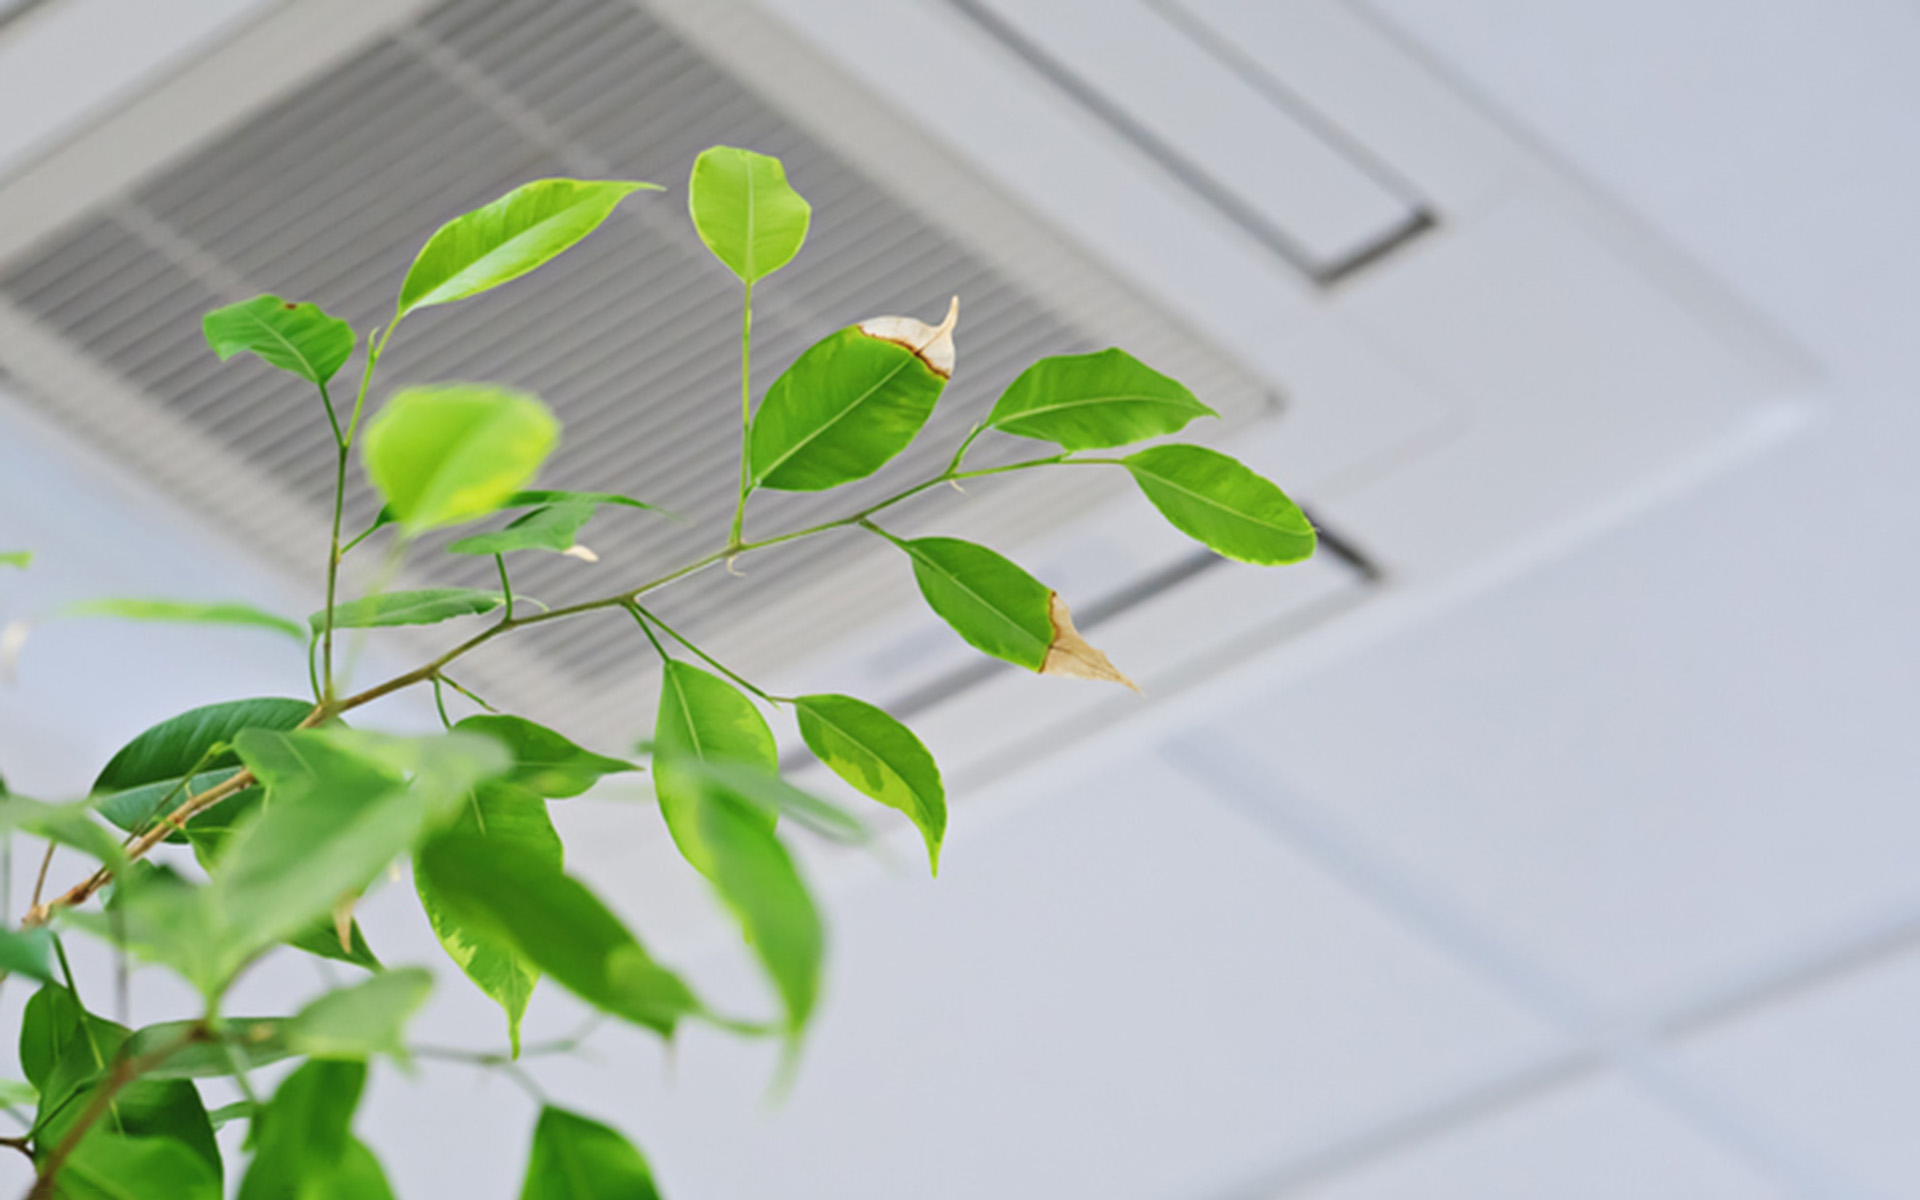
column 326, row 194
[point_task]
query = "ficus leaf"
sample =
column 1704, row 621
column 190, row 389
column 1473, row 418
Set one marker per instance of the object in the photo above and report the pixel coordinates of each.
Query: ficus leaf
column 518, row 896
column 1003, row 611
column 545, row 762
column 755, row 878
column 66, row 1052
column 153, row 766
column 69, row 825
column 702, row 717
column 851, row 402
column 549, row 527
column 335, row 816
column 423, row 606
column 881, row 757
column 758, row 787
column 27, row 952
column 1220, row 503
column 574, row 1158
column 500, row 813
column 363, row 1020
column 294, row 337
column 490, row 246
column 539, row 496
column 254, row 1041
column 303, row 1142
column 1091, row 401
column 448, row 453
column 186, row 612
column 746, row 211
column 113, row 1166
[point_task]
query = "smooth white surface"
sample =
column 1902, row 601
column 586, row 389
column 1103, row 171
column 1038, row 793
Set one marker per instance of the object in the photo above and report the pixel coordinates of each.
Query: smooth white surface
column 1657, row 765
column 75, row 59
column 1594, row 1141
column 1308, row 188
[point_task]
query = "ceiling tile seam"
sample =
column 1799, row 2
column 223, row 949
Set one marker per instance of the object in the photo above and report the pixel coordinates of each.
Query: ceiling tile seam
column 1422, row 1123
column 1220, row 768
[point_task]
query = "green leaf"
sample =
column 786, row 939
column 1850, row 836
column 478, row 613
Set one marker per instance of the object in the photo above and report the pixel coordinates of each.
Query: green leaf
column 758, row 787
column 702, row 717
column 69, row 825
column 525, row 499
column 27, row 952
column 361, row 1021
column 110, row 1166
column 451, row 452
column 65, row 1052
column 544, row 762
column 520, row 897
column 1220, row 503
column 157, row 915
column 288, row 335
column 255, row 1041
column 881, row 757
column 17, row 1093
column 323, row 940
column 151, row 767
column 746, row 212
column 756, row 879
column 575, row 1158
column 425, row 606
column 551, row 527
column 997, row 607
column 186, row 612
column 226, row 1114
column 850, row 402
column 500, row 814
column 304, row 1148
column 334, row 818
column 504, row 240
column 209, row 833
column 1090, row 401
column 16, row 558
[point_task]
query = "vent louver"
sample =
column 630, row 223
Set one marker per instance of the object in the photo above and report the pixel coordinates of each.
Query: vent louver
column 326, row 193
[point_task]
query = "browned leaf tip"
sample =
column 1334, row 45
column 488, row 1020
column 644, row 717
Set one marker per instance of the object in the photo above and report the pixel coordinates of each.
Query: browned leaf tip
column 1071, row 656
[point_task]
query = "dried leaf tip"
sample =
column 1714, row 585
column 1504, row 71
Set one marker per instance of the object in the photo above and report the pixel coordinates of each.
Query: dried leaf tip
column 1071, row 656
column 581, row 552
column 933, row 344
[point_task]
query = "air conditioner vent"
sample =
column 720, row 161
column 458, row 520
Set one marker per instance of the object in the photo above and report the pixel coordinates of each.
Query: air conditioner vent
column 325, row 195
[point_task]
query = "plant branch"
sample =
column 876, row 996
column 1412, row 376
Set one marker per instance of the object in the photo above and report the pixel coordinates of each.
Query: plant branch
column 639, row 613
column 331, row 707
column 746, row 419
column 125, row 1070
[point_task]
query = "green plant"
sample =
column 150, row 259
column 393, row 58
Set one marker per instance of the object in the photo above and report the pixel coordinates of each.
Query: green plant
column 291, row 814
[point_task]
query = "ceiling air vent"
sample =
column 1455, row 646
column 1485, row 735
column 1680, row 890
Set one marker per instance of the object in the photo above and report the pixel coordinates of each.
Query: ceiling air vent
column 325, row 191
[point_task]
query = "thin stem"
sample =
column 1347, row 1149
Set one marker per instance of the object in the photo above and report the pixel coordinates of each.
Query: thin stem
column 640, row 617
column 746, row 418
column 506, row 588
column 40, row 881
column 332, row 418
column 468, row 692
column 953, row 466
column 440, row 702
column 333, row 566
column 125, row 1071
column 709, row 659
column 330, row 707
column 237, row 1059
